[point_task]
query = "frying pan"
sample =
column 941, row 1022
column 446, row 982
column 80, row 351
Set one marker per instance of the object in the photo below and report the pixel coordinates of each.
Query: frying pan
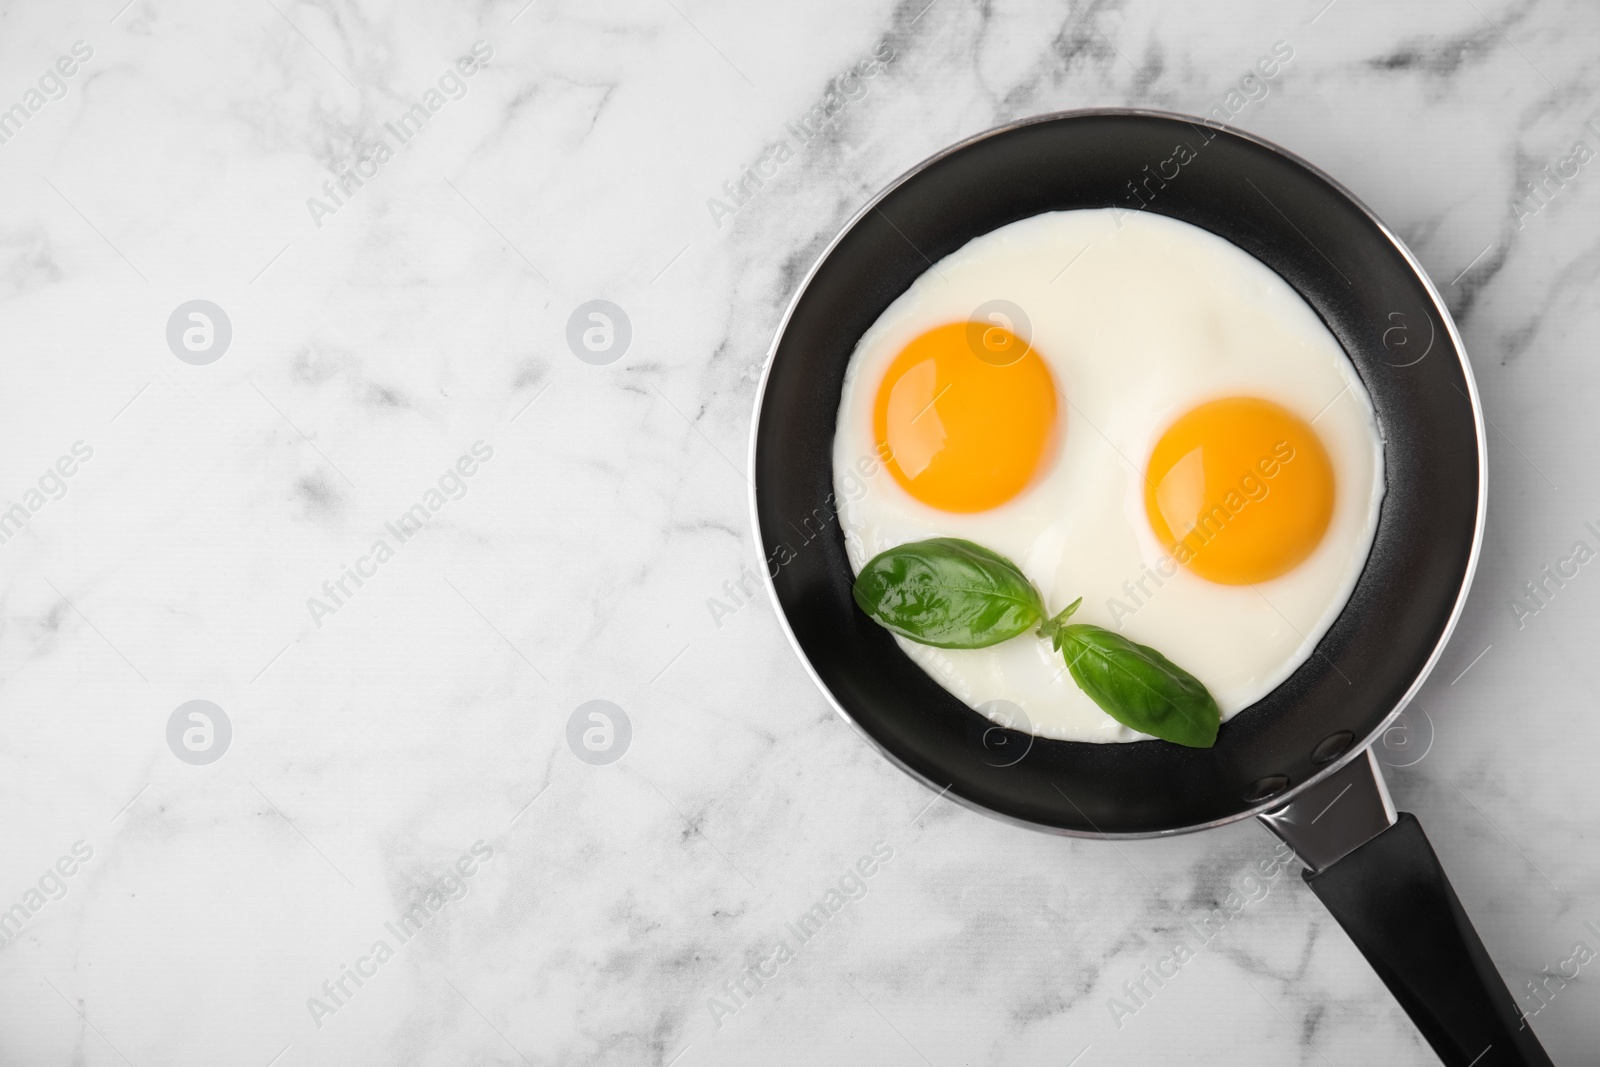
column 1299, row 759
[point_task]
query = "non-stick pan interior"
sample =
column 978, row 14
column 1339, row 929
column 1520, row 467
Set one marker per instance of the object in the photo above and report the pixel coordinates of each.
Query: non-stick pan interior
column 1344, row 264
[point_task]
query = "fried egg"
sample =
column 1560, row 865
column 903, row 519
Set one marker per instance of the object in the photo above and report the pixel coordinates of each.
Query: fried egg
column 1136, row 412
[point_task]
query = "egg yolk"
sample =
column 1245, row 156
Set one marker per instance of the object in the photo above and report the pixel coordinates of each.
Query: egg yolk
column 965, row 416
column 1239, row 490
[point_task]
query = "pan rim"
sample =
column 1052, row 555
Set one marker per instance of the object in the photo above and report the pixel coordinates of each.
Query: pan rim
column 1278, row 800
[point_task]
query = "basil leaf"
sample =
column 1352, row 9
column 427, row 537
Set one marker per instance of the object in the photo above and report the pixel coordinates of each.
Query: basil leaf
column 948, row 593
column 951, row 593
column 1138, row 686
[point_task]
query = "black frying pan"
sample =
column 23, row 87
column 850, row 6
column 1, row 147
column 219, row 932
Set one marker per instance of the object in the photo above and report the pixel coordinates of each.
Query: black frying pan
column 1299, row 758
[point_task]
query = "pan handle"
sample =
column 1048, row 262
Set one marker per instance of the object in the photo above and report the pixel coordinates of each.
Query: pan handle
column 1380, row 878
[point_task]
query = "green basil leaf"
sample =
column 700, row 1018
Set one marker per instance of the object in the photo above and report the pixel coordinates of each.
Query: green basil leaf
column 1138, row 686
column 948, row 593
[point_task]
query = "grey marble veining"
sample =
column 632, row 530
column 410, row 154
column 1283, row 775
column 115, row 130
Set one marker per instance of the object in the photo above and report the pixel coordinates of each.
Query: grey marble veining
column 406, row 764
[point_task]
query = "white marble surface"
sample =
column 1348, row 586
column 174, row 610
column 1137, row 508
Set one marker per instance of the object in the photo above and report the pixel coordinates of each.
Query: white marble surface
column 429, row 711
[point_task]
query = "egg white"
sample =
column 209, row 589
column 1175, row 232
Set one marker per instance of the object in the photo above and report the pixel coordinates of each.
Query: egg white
column 1140, row 318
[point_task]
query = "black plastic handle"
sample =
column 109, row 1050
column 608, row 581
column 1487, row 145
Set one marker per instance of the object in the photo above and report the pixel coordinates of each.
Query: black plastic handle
column 1393, row 899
